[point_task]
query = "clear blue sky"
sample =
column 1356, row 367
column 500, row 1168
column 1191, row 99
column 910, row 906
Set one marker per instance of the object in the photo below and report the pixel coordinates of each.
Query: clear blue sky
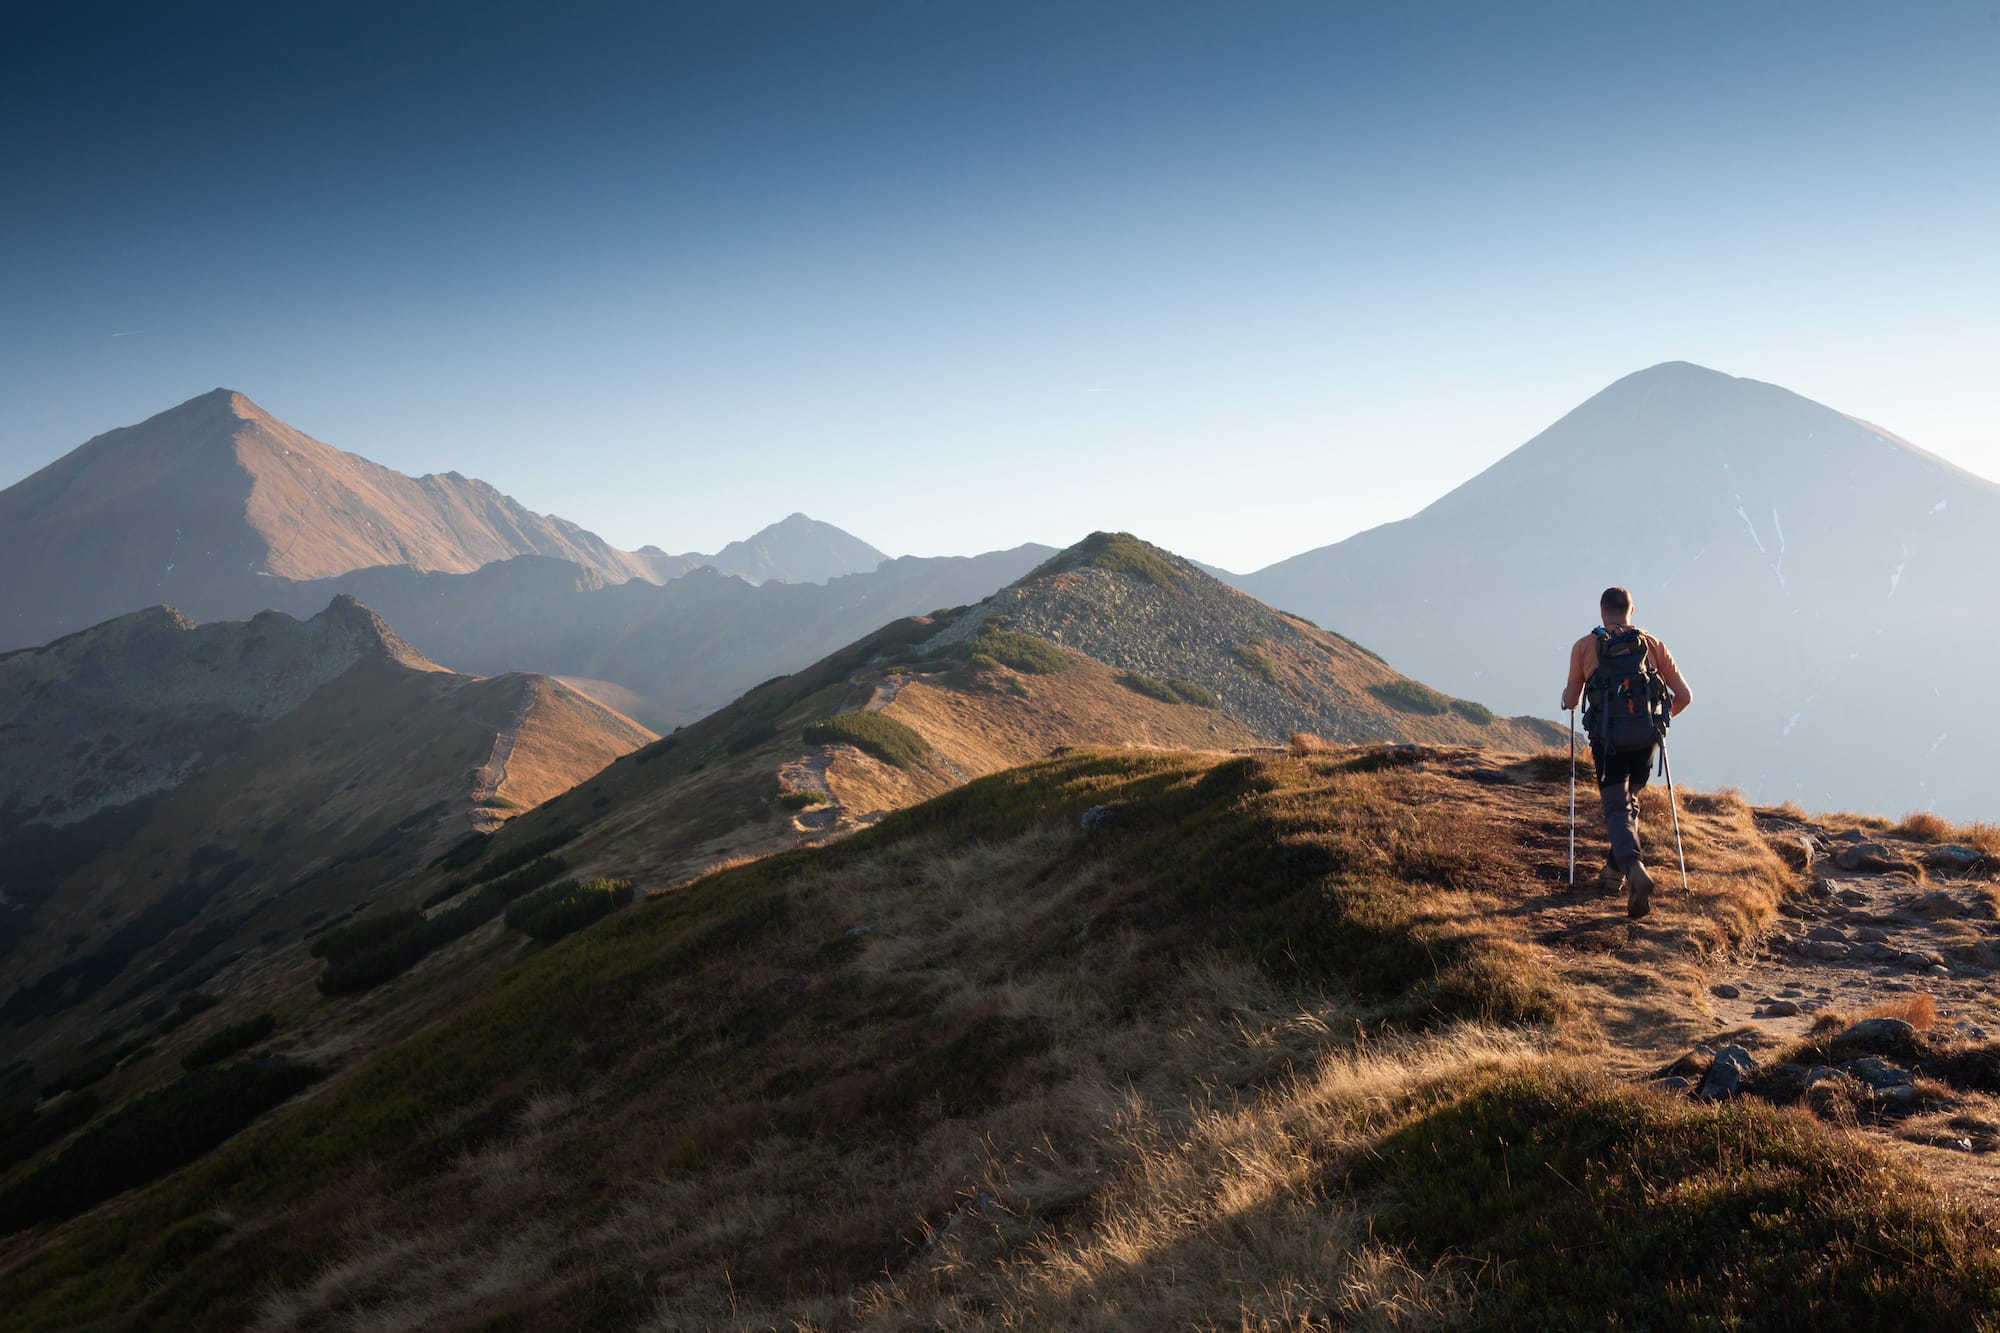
column 1242, row 278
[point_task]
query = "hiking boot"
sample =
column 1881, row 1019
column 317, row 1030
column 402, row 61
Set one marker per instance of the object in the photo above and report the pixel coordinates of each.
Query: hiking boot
column 1610, row 879
column 1639, row 900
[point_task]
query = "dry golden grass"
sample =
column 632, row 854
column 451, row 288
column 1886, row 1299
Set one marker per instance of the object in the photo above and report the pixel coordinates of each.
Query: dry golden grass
column 1922, row 826
column 979, row 1070
column 1304, row 745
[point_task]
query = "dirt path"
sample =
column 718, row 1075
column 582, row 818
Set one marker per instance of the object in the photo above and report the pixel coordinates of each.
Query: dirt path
column 808, row 773
column 1874, row 924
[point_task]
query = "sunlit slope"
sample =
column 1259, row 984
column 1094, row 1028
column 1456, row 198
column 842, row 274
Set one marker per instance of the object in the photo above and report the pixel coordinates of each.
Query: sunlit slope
column 192, row 505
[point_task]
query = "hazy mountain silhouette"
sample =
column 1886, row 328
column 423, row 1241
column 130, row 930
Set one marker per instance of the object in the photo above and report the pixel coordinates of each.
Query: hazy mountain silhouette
column 686, row 647
column 203, row 497
column 1819, row 580
column 796, row 549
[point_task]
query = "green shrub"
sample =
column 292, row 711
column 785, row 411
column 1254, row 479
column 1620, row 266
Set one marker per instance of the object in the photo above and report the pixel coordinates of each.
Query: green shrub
column 187, row 1008
column 1471, row 711
column 1175, row 691
column 1152, row 689
column 551, row 913
column 93, row 1069
column 1023, row 652
column 1122, row 553
column 220, row 1045
column 658, row 748
column 28, row 1134
column 1256, row 662
column 150, row 1136
column 1410, row 696
column 464, row 852
column 879, row 735
column 521, row 854
column 798, row 798
column 395, row 954
column 363, row 932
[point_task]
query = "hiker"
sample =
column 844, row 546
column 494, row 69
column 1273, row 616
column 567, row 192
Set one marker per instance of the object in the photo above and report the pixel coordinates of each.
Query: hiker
column 1630, row 688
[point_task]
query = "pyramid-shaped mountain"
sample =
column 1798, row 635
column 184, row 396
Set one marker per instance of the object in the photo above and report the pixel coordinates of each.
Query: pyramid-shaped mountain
column 195, row 505
column 1815, row 576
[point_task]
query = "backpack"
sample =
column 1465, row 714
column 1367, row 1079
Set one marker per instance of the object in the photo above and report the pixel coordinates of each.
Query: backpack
column 1626, row 704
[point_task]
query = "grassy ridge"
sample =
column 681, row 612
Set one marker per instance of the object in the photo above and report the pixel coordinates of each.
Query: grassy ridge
column 1248, row 1024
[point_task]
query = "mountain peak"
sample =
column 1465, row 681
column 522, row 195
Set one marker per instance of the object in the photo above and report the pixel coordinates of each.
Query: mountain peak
column 797, row 549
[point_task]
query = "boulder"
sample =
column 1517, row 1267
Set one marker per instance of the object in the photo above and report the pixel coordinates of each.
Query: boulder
column 1725, row 1077
column 1827, row 933
column 1877, row 1073
column 1939, row 906
column 1779, row 1009
column 1831, row 951
column 1890, row 1036
column 1869, row 856
column 1724, row 991
column 1689, row 1067
column 1953, row 857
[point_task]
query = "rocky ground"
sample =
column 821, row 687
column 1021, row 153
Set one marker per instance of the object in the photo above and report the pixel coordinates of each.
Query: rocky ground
column 1872, row 1001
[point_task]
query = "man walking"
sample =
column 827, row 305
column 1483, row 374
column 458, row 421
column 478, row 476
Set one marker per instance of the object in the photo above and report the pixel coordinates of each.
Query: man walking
column 1630, row 686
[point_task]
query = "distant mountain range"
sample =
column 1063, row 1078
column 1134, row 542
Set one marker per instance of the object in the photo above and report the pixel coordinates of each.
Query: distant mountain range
column 169, row 785
column 202, row 506
column 1821, row 582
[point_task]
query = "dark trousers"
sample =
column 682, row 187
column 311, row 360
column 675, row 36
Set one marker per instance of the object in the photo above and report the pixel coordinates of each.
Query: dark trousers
column 1621, row 775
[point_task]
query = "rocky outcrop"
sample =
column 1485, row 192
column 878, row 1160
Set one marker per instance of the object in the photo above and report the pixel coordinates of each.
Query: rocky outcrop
column 135, row 705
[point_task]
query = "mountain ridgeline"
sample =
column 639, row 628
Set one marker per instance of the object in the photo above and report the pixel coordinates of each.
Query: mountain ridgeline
column 221, row 510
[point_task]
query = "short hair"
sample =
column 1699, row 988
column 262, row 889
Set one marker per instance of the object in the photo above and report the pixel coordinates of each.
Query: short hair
column 1616, row 599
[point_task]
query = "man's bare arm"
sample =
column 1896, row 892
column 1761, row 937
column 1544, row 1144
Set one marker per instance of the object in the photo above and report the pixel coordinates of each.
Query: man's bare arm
column 1671, row 673
column 1579, row 670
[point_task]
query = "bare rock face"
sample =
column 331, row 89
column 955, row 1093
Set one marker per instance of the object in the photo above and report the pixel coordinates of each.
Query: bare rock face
column 136, row 704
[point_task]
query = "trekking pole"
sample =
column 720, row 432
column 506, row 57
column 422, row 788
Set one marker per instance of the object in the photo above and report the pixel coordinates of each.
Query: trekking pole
column 1572, row 798
column 1666, row 765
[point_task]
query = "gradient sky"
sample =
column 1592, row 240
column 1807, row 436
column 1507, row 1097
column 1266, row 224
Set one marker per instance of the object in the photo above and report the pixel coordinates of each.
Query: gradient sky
column 1241, row 278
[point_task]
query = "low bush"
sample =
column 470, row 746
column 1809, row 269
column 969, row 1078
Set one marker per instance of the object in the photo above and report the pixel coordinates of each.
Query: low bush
column 364, row 932
column 1472, row 712
column 93, row 1069
column 1023, row 652
column 220, row 1045
column 887, row 739
column 1257, row 662
column 1410, row 696
column 1122, row 553
column 1191, row 693
column 798, row 798
column 521, row 854
column 28, row 1133
column 150, row 1136
column 392, row 955
column 1152, row 689
column 553, row 912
